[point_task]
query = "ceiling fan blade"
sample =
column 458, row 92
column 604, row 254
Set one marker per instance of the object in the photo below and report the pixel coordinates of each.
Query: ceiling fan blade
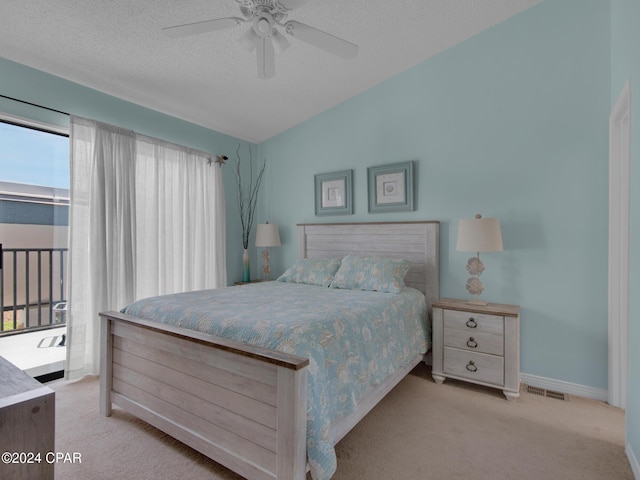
column 202, row 27
column 291, row 4
column 322, row 40
column 266, row 58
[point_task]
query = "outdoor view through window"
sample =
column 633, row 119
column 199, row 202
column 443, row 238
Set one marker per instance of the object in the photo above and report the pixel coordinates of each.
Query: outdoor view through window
column 34, row 219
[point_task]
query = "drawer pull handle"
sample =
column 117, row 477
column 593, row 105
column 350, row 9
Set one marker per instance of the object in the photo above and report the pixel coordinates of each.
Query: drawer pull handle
column 471, row 323
column 472, row 366
column 471, row 343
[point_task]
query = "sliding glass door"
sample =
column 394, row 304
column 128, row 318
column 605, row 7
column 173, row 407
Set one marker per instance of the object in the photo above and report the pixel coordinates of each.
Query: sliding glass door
column 34, row 219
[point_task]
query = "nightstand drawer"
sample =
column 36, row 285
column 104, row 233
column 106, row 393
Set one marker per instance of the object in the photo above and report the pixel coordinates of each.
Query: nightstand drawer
column 474, row 341
column 474, row 322
column 474, row 366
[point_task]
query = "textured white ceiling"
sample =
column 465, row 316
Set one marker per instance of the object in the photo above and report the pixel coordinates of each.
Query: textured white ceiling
column 117, row 47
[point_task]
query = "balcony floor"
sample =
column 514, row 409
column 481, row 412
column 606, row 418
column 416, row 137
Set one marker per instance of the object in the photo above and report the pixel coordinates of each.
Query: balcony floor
column 36, row 353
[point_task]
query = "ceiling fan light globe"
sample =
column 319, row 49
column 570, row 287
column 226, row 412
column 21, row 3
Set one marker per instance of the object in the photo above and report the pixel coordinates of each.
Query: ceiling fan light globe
column 248, row 40
column 280, row 43
column 263, row 27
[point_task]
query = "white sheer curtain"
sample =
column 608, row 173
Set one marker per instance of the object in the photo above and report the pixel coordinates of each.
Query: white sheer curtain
column 180, row 219
column 147, row 218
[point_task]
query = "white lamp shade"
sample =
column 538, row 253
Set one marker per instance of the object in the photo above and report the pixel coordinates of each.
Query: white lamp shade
column 267, row 235
column 479, row 235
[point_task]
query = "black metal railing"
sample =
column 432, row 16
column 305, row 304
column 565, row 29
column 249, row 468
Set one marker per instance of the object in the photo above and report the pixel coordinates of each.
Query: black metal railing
column 32, row 288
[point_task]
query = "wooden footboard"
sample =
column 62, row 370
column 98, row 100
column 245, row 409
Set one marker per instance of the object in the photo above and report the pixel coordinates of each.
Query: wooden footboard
column 242, row 406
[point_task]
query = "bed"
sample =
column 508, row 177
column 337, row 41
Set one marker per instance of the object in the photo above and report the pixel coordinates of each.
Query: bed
column 262, row 420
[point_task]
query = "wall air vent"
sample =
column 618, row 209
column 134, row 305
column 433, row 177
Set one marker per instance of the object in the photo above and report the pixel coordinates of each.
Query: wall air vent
column 542, row 392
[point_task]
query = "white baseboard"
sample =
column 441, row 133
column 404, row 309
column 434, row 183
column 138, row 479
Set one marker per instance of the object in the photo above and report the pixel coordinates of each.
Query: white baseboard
column 633, row 461
column 565, row 387
column 582, row 391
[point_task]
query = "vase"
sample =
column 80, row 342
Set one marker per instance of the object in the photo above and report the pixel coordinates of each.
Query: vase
column 246, row 275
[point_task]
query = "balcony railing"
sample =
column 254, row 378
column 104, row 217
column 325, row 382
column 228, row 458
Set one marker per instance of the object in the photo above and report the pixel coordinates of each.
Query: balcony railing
column 32, row 288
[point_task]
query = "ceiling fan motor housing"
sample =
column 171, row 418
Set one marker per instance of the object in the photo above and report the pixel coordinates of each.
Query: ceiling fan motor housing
column 253, row 8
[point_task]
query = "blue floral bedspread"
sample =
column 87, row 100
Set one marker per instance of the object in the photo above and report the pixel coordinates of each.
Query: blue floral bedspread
column 353, row 339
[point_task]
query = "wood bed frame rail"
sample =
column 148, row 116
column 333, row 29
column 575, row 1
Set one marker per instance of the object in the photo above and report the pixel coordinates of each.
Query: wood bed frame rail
column 242, row 406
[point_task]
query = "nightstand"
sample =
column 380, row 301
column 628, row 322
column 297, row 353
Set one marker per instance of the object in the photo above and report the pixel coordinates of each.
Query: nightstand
column 478, row 344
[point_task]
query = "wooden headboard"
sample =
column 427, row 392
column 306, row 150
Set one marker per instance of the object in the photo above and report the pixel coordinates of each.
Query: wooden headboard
column 414, row 241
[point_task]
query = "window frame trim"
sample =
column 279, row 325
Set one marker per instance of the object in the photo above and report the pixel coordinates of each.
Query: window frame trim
column 34, row 124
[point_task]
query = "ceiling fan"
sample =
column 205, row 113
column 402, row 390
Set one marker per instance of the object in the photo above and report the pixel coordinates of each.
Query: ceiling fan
column 264, row 37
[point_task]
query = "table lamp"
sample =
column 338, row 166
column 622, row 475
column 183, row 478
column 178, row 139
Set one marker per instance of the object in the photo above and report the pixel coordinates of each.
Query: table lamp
column 267, row 235
column 478, row 235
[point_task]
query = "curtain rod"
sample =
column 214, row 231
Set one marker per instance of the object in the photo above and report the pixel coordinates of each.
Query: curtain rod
column 34, row 105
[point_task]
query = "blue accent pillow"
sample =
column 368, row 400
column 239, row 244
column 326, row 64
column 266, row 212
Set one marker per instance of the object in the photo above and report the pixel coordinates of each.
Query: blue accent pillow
column 379, row 274
column 312, row 271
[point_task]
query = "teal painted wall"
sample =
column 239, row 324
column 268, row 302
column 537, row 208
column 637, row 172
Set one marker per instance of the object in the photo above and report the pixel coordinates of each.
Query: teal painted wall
column 512, row 123
column 625, row 65
column 24, row 83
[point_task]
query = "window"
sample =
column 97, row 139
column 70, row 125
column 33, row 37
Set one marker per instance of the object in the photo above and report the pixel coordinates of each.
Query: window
column 34, row 219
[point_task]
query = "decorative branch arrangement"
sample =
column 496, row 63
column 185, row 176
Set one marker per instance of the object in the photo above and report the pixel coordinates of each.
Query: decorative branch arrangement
column 247, row 196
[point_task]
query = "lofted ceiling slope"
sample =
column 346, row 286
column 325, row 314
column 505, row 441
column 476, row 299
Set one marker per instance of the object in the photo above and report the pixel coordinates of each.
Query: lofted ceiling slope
column 117, row 47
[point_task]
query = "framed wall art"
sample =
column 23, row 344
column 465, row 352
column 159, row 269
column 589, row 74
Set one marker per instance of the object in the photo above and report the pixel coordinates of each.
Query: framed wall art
column 391, row 188
column 333, row 193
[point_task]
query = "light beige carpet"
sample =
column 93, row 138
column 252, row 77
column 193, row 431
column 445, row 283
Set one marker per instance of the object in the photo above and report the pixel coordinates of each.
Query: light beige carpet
column 419, row 431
